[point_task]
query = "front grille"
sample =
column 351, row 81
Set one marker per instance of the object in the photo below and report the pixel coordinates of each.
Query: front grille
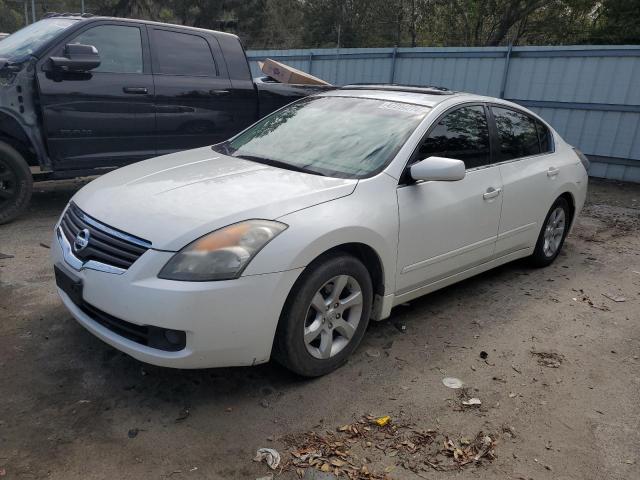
column 105, row 244
column 148, row 335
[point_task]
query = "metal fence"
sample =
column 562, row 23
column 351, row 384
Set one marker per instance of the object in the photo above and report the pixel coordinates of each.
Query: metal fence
column 590, row 94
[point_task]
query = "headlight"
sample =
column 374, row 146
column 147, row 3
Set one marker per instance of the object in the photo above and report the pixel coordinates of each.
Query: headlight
column 223, row 254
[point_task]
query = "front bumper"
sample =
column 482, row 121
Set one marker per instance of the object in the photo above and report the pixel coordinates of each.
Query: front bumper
column 227, row 323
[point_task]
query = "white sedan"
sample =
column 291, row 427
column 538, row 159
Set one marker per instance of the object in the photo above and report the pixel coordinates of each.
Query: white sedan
column 287, row 239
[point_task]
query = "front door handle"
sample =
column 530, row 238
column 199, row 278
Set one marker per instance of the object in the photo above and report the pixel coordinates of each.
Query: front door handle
column 552, row 171
column 136, row 90
column 218, row 92
column 491, row 193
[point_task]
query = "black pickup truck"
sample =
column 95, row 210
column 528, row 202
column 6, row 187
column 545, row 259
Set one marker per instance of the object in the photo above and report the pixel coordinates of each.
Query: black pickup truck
column 80, row 95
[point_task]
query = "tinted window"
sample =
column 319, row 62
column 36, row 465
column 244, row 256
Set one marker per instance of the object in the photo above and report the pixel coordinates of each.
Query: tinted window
column 517, row 134
column 182, row 54
column 119, row 47
column 545, row 137
column 462, row 134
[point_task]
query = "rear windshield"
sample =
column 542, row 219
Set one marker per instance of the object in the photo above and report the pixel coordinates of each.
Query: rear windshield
column 345, row 137
column 29, row 39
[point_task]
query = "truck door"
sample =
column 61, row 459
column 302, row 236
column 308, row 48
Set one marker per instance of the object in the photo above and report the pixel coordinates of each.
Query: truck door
column 194, row 96
column 104, row 117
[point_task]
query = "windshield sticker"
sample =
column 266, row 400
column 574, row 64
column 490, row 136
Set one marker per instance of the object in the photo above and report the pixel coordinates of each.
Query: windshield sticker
column 404, row 107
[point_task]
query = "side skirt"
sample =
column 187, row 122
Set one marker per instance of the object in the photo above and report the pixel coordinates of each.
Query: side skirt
column 386, row 303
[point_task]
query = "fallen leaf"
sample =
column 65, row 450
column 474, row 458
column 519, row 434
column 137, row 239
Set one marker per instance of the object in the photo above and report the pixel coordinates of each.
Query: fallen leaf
column 382, row 421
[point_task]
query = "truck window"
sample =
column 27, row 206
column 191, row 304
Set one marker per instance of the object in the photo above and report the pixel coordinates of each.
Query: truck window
column 182, row 54
column 119, row 47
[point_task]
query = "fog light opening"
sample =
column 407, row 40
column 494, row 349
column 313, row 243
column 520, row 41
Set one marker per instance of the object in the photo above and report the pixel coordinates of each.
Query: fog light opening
column 174, row 337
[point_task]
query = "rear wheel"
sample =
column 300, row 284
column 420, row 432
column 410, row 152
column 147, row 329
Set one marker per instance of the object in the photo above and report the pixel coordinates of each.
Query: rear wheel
column 325, row 316
column 552, row 235
column 16, row 183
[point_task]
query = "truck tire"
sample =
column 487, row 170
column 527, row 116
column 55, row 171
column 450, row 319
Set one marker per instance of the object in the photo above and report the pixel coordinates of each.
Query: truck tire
column 16, row 183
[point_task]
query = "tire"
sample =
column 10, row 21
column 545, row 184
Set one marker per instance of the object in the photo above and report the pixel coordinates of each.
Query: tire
column 16, row 183
column 340, row 329
column 547, row 248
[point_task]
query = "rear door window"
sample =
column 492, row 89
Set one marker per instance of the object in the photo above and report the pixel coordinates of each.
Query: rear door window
column 462, row 134
column 182, row 54
column 517, row 134
column 546, row 144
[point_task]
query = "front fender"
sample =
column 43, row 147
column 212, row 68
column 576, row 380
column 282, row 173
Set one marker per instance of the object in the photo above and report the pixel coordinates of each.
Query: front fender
column 19, row 117
column 368, row 216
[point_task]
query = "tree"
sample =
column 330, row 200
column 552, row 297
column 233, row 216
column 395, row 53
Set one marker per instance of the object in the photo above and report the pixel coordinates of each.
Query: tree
column 375, row 23
column 11, row 18
column 616, row 21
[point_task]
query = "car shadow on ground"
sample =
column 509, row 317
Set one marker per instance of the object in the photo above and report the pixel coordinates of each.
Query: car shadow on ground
column 156, row 387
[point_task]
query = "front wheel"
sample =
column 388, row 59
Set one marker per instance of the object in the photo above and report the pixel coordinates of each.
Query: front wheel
column 16, row 183
column 325, row 316
column 553, row 233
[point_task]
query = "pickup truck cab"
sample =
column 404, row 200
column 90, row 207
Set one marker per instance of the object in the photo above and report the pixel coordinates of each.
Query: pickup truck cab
column 81, row 95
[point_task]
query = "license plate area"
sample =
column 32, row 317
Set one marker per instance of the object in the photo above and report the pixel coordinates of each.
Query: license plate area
column 69, row 284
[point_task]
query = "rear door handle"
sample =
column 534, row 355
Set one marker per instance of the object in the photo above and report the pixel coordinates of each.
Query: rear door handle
column 552, row 171
column 491, row 193
column 136, row 90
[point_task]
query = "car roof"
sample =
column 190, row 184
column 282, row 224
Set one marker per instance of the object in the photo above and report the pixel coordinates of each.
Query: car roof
column 92, row 18
column 425, row 97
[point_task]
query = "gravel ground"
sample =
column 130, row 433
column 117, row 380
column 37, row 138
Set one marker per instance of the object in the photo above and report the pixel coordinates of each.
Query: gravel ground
column 72, row 407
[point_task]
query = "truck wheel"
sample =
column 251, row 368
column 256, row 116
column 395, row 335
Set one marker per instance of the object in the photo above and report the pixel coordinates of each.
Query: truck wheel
column 16, row 183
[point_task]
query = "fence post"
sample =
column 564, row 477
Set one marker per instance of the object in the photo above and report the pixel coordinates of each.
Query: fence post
column 505, row 73
column 393, row 64
column 310, row 63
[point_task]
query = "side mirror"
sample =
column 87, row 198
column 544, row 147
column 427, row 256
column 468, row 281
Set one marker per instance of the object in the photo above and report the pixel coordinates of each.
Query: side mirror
column 438, row 168
column 77, row 58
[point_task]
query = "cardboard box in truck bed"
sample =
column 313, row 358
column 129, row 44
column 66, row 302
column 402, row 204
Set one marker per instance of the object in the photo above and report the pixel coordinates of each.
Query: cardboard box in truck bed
column 286, row 74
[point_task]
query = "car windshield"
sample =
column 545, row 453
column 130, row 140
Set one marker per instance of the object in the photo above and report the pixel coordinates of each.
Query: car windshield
column 29, row 39
column 343, row 137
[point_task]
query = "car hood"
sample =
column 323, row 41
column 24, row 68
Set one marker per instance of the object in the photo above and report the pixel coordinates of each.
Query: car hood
column 174, row 199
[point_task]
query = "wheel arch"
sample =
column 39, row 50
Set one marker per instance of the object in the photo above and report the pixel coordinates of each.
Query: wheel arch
column 568, row 196
column 12, row 133
column 367, row 255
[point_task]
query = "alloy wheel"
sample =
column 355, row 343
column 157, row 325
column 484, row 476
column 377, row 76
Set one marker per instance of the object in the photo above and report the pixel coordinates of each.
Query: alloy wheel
column 333, row 317
column 553, row 232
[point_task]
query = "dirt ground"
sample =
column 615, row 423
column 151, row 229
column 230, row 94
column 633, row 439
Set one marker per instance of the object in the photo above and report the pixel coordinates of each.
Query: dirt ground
column 72, row 407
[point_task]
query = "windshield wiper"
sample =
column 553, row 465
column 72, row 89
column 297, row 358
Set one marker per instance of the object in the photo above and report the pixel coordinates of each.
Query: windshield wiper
column 278, row 164
column 222, row 146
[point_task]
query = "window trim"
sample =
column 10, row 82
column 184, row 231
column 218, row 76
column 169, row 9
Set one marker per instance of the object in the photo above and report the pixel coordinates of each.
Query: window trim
column 405, row 178
column 534, row 119
column 156, row 59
